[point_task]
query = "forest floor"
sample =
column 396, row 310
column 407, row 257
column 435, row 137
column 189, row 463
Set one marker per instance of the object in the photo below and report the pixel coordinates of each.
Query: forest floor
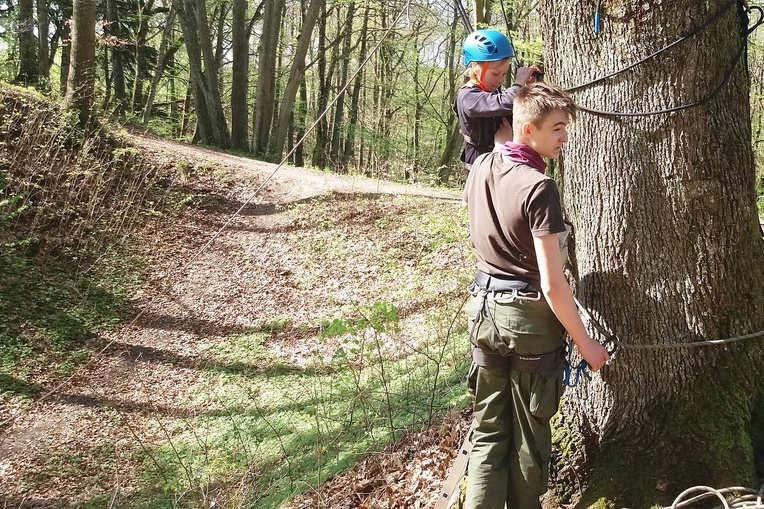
column 145, row 369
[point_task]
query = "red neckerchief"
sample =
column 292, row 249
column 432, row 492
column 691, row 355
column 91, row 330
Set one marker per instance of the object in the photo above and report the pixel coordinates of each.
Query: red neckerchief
column 520, row 153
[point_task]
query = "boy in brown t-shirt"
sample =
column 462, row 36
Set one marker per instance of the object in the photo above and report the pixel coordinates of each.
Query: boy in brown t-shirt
column 521, row 305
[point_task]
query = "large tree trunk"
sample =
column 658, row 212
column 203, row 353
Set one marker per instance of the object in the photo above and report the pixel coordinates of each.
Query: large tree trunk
column 295, row 75
column 668, row 252
column 240, row 75
column 29, row 69
column 80, row 85
column 266, row 82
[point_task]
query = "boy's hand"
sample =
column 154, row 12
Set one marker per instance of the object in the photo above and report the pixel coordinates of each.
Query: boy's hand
column 524, row 75
column 593, row 353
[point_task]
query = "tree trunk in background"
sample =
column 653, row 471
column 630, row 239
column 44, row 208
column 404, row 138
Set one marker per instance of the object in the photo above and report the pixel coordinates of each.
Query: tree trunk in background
column 455, row 139
column 668, row 251
column 114, row 30
column 240, row 76
column 163, row 55
column 319, row 157
column 29, row 66
column 211, row 123
column 339, row 111
column 80, row 85
column 266, row 82
column 300, row 121
column 65, row 30
column 43, row 27
column 347, row 153
column 145, row 13
column 295, row 76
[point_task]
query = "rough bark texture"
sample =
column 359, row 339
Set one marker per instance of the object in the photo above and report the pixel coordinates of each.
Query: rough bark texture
column 240, row 77
column 29, row 70
column 43, row 27
column 80, row 84
column 667, row 247
column 295, row 76
column 266, row 82
column 211, row 123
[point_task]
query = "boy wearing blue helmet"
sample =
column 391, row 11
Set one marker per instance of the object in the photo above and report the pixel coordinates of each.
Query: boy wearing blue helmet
column 480, row 104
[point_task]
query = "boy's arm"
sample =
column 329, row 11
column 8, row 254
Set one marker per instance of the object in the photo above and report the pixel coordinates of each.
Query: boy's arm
column 560, row 298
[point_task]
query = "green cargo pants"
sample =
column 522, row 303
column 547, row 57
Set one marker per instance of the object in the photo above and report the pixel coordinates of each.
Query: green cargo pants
column 512, row 444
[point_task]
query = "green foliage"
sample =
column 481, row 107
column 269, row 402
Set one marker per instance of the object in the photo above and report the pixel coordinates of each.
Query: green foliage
column 381, row 316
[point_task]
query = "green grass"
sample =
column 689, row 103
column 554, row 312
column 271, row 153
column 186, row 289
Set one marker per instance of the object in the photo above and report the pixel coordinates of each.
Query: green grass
column 49, row 309
column 272, row 429
column 282, row 429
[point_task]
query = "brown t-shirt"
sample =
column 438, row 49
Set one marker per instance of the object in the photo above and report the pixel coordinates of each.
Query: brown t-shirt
column 509, row 203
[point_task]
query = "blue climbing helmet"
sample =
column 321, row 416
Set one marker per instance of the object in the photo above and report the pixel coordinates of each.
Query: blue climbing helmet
column 486, row 45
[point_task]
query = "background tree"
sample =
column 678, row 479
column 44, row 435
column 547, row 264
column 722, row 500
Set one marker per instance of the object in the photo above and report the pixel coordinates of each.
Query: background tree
column 240, row 72
column 262, row 118
column 80, row 84
column 296, row 73
column 668, row 250
column 29, row 68
column 211, row 123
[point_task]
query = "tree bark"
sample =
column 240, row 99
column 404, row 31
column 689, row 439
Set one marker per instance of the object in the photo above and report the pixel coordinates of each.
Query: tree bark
column 266, row 83
column 29, row 69
column 117, row 55
column 240, row 78
column 319, row 156
column 163, row 55
column 211, row 123
column 80, row 85
column 668, row 252
column 295, row 75
column 43, row 27
column 355, row 98
column 339, row 110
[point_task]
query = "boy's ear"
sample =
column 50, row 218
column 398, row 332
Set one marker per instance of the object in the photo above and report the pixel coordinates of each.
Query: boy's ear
column 526, row 129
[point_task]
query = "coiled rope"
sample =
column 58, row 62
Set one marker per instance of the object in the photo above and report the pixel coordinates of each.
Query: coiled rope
column 744, row 497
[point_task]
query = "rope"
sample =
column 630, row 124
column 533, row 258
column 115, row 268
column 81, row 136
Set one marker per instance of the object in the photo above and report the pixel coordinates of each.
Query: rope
column 692, row 32
column 728, row 74
column 708, row 342
column 750, row 498
column 463, row 14
column 246, row 202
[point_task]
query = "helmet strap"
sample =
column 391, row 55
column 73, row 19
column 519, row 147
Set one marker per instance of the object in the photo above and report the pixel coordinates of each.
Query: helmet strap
column 478, row 80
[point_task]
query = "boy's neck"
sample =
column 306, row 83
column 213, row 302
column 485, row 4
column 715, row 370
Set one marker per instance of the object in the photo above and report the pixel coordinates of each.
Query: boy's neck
column 519, row 152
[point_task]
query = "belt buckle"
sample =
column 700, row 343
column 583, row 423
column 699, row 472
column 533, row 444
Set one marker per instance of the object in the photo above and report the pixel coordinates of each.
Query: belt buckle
column 528, row 296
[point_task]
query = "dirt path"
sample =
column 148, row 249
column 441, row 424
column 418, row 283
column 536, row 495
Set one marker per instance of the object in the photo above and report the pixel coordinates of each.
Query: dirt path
column 138, row 385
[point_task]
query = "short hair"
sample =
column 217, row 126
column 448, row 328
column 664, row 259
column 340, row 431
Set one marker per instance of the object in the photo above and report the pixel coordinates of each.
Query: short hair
column 532, row 103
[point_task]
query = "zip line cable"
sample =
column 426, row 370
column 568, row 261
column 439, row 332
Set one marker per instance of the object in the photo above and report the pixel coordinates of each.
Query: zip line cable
column 463, row 14
column 233, row 216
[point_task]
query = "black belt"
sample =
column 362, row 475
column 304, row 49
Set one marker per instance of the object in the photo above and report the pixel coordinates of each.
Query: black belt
column 493, row 283
column 522, row 363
